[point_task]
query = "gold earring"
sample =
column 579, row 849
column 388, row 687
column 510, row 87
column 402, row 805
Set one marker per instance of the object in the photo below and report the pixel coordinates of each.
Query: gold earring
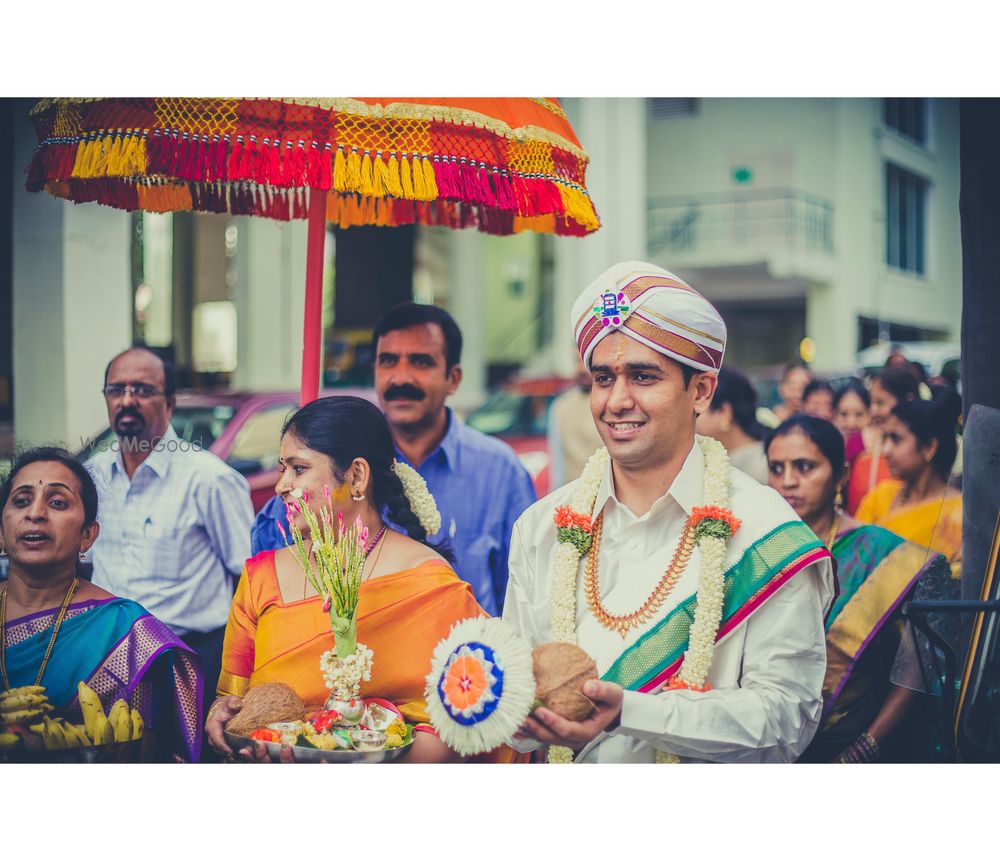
column 838, row 500
column 357, row 496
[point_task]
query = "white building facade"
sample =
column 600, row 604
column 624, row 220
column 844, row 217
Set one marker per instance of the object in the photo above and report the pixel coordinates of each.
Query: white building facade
column 835, row 219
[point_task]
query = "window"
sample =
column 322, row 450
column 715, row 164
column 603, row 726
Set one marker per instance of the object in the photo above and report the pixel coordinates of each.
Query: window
column 906, row 116
column 667, row 109
column 906, row 202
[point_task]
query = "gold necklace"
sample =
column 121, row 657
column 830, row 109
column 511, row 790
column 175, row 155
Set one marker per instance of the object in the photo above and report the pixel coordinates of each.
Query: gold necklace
column 623, row 623
column 834, row 529
column 52, row 640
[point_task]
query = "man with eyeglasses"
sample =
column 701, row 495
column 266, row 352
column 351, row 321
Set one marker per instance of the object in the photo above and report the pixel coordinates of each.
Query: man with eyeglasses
column 175, row 520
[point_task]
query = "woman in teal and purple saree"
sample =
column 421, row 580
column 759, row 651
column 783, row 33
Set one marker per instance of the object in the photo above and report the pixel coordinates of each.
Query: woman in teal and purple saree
column 57, row 630
column 870, row 687
column 875, row 703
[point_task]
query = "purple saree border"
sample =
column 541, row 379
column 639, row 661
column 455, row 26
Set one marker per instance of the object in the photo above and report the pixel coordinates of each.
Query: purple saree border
column 82, row 605
column 167, row 640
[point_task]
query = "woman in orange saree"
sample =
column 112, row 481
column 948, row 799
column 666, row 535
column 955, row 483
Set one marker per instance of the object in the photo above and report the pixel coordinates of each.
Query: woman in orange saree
column 402, row 616
column 338, row 453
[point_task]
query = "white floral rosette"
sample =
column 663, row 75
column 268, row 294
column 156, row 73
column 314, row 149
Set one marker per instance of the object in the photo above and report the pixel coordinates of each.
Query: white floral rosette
column 481, row 686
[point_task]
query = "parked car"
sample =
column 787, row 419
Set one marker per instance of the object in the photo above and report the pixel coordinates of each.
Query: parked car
column 519, row 415
column 242, row 428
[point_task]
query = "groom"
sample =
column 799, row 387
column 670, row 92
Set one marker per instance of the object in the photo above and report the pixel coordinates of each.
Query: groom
column 750, row 689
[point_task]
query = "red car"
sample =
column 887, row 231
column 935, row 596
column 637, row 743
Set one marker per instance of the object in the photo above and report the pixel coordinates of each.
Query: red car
column 519, row 415
column 242, row 428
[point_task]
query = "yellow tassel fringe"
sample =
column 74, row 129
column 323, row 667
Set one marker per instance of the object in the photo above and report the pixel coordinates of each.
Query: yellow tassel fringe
column 353, row 171
column 339, row 172
column 578, row 207
column 430, row 183
column 405, row 178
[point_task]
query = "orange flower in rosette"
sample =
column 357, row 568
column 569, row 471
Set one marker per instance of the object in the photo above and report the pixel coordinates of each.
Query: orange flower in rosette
column 465, row 682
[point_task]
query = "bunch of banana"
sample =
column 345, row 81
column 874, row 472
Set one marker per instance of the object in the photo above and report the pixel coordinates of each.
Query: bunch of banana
column 20, row 705
column 120, row 724
column 58, row 734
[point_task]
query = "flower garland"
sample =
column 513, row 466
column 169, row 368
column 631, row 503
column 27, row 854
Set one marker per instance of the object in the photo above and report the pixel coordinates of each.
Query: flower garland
column 420, row 498
column 713, row 523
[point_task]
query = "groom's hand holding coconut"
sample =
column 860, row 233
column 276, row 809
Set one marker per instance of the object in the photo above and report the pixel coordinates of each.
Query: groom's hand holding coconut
column 548, row 727
column 573, row 706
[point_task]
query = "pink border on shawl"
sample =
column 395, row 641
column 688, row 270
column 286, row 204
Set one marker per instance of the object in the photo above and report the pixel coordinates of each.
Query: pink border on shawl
column 744, row 611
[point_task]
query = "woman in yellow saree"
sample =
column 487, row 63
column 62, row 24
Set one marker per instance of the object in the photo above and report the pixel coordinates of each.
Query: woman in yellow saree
column 917, row 503
column 410, row 596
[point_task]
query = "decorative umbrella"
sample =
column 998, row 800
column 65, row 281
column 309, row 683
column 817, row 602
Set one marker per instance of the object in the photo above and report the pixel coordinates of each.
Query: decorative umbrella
column 500, row 165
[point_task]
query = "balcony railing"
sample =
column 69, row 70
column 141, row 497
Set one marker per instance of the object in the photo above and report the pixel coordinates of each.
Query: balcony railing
column 756, row 218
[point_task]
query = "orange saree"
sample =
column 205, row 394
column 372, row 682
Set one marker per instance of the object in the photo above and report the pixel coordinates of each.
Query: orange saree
column 401, row 617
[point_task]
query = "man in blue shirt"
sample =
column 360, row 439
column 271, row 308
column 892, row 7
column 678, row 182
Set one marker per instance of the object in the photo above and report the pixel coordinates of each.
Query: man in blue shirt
column 479, row 484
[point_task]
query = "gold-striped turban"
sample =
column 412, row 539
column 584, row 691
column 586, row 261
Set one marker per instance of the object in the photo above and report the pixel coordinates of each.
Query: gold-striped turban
column 655, row 308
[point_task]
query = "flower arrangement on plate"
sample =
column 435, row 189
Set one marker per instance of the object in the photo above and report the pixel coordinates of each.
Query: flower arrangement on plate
column 333, row 561
column 334, row 567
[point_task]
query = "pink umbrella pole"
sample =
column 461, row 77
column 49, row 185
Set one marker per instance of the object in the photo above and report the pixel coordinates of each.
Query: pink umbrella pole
column 312, row 327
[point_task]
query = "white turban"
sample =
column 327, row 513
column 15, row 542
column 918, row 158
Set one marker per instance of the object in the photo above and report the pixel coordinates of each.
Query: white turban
column 655, row 308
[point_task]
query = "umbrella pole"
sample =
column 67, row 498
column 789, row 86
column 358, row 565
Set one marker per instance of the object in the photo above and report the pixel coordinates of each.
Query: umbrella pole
column 312, row 327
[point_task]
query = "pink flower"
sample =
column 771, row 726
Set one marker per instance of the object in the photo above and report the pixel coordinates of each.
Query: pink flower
column 357, row 523
column 281, row 529
column 327, row 604
column 364, row 537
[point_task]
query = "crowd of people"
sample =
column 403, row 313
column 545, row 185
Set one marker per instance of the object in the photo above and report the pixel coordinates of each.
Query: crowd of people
column 768, row 625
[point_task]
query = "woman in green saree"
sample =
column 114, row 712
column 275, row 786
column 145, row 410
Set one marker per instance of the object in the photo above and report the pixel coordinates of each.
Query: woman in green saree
column 872, row 690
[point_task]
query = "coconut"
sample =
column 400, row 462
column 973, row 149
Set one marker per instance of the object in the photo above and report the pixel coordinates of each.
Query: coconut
column 264, row 704
column 560, row 672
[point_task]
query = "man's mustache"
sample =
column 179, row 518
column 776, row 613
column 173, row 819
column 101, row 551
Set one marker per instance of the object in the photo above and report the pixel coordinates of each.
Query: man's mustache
column 129, row 412
column 404, row 392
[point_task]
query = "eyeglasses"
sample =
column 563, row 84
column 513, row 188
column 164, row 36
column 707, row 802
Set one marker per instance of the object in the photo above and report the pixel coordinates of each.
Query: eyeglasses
column 139, row 391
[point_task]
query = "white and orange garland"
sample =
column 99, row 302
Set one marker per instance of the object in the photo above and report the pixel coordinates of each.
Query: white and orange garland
column 713, row 524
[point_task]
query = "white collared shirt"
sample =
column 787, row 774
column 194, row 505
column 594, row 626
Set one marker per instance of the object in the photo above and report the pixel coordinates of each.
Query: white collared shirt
column 766, row 674
column 172, row 535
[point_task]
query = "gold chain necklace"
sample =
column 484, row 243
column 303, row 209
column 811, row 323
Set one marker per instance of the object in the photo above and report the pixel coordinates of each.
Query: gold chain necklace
column 833, row 530
column 52, row 640
column 623, row 623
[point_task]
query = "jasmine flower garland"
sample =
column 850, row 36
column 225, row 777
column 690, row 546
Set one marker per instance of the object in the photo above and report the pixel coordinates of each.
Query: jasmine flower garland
column 420, row 498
